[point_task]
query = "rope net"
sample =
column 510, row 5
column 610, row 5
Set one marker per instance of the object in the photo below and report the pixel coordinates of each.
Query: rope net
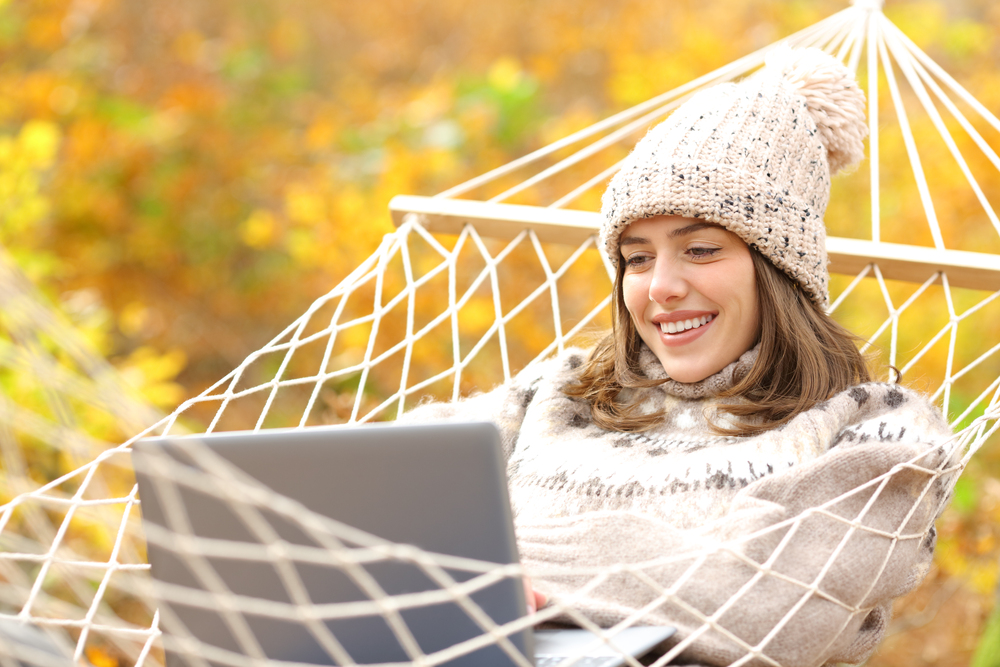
column 441, row 315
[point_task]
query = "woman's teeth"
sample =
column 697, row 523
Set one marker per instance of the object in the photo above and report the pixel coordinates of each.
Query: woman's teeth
column 677, row 327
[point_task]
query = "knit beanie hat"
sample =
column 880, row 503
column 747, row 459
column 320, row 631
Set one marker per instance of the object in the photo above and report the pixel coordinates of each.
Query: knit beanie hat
column 755, row 157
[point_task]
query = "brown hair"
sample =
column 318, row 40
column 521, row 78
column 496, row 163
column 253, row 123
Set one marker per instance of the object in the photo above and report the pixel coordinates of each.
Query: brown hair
column 804, row 358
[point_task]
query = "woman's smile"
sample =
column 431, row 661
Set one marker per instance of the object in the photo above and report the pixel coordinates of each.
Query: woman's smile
column 691, row 290
column 683, row 327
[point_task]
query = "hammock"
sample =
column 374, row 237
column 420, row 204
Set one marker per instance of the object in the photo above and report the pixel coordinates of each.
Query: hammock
column 507, row 275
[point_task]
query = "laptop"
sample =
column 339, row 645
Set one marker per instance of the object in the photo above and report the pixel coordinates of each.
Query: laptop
column 280, row 517
column 23, row 644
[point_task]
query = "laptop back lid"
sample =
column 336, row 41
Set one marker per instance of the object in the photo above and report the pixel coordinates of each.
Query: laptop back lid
column 286, row 544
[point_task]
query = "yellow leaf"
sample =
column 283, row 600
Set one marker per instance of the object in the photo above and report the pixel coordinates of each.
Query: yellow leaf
column 984, row 578
column 258, row 231
column 101, row 658
column 349, row 206
column 304, row 205
column 38, row 142
column 505, row 74
column 133, row 318
column 153, row 366
column 477, row 316
column 303, row 248
column 320, row 134
column 164, row 394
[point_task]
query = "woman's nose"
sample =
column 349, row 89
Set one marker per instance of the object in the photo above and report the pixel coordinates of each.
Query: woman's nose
column 667, row 283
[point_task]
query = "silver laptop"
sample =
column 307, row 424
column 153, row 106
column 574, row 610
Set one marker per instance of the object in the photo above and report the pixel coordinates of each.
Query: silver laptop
column 23, row 644
column 440, row 487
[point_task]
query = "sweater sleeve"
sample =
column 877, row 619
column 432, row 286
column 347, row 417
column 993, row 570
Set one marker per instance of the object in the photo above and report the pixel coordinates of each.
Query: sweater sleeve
column 802, row 569
column 505, row 405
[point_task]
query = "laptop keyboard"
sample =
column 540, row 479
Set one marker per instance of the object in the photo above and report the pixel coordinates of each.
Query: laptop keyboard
column 553, row 647
column 599, row 661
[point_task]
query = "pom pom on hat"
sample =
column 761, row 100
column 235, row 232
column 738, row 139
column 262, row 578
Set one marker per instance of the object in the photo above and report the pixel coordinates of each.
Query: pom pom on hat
column 835, row 101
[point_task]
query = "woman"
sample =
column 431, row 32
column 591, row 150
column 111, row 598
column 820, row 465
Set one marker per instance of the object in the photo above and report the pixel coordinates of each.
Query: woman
column 722, row 461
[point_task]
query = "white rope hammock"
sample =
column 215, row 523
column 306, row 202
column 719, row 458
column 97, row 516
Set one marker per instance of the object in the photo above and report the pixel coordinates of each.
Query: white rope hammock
column 497, row 280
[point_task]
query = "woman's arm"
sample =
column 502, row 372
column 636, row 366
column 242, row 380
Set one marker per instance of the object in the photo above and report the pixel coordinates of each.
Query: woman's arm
column 505, row 405
column 802, row 569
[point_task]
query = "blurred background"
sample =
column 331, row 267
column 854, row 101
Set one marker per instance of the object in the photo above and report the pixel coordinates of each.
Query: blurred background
column 181, row 180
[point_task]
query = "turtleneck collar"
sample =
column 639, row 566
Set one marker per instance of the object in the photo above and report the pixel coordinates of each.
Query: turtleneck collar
column 713, row 385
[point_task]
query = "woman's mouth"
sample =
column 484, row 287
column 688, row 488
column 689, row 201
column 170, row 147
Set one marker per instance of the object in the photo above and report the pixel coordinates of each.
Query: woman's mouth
column 684, row 325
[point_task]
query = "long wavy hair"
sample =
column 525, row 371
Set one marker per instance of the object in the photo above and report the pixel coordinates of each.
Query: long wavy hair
column 804, row 358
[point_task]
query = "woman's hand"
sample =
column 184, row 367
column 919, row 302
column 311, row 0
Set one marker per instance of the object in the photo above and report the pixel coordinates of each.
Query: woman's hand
column 534, row 599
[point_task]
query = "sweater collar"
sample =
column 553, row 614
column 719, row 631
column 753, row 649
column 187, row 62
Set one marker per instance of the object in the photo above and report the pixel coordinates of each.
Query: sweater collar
column 713, row 385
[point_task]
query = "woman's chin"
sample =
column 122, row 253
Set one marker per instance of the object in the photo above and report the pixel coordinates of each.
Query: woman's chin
column 689, row 373
column 698, row 361
column 686, row 377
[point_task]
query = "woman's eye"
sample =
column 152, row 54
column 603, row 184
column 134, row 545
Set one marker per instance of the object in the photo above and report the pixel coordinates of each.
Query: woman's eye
column 700, row 253
column 635, row 261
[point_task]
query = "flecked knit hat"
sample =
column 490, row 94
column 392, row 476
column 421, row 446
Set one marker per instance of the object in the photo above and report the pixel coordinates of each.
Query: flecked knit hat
column 755, row 157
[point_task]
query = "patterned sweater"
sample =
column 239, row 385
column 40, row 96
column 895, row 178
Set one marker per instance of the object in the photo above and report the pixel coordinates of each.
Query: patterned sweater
column 726, row 538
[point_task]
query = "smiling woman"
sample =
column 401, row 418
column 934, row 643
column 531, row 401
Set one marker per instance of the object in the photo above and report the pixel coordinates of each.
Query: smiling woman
column 699, row 299
column 725, row 403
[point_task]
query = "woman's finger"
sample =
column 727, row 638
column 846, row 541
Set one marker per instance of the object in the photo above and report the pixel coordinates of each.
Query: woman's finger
column 530, row 596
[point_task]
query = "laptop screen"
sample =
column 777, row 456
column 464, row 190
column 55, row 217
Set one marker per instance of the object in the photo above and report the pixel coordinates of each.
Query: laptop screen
column 285, row 544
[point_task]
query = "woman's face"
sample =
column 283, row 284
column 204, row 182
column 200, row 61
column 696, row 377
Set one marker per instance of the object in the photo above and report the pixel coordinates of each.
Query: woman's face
column 691, row 290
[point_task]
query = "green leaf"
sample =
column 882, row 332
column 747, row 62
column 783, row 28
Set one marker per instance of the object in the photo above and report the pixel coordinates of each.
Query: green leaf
column 966, row 496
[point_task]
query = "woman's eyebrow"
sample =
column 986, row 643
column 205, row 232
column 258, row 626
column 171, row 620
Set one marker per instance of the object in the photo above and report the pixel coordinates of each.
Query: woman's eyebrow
column 691, row 228
column 639, row 240
column 632, row 240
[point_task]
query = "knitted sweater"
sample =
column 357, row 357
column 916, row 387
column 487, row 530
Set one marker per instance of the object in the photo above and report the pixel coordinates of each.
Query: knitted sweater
column 703, row 523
